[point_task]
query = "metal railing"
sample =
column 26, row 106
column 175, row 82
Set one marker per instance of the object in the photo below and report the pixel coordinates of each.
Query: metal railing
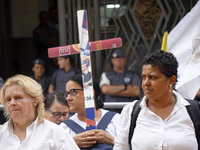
column 1, row 107
column 115, row 105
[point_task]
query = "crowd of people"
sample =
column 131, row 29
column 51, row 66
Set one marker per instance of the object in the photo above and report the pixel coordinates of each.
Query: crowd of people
column 161, row 119
column 46, row 110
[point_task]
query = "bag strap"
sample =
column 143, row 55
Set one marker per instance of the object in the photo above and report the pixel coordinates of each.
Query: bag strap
column 74, row 126
column 105, row 120
column 134, row 115
column 194, row 113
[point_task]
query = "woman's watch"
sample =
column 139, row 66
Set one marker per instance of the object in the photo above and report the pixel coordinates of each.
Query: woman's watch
column 125, row 86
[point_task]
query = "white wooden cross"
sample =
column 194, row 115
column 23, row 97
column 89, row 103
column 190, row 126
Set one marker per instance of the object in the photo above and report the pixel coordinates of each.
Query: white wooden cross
column 84, row 49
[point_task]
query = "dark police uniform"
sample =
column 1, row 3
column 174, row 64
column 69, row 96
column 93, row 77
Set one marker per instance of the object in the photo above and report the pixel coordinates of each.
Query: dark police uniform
column 44, row 82
column 112, row 77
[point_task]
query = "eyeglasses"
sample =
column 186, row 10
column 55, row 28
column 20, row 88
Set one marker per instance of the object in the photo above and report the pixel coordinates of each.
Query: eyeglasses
column 71, row 92
column 58, row 114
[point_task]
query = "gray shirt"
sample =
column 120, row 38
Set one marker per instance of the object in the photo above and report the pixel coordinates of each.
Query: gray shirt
column 60, row 77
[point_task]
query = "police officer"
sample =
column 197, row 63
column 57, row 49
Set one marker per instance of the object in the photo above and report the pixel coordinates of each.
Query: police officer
column 119, row 84
column 38, row 69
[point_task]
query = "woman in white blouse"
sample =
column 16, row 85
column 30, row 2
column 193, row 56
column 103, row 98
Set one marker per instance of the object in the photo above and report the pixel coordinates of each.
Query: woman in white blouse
column 163, row 122
column 26, row 128
column 75, row 97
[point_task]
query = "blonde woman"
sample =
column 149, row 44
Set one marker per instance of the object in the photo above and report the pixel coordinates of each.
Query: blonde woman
column 26, row 127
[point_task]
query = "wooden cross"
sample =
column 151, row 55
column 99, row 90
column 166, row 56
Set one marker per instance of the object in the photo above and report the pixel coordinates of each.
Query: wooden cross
column 84, row 49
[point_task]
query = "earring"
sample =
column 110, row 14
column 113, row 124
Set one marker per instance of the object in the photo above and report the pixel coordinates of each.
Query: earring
column 170, row 88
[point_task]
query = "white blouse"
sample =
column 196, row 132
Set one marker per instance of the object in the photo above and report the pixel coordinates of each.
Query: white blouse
column 176, row 132
column 43, row 136
column 111, row 128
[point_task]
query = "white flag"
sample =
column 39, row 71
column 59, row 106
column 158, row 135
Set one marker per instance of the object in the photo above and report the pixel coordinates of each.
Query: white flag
column 184, row 43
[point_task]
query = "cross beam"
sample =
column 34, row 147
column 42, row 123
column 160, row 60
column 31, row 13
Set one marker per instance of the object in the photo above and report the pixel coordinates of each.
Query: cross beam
column 75, row 48
column 84, row 49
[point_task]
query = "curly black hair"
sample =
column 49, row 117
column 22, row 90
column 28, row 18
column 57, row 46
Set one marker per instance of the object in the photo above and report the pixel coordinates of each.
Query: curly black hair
column 98, row 101
column 165, row 61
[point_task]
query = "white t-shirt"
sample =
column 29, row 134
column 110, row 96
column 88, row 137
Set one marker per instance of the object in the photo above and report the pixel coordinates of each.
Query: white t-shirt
column 111, row 128
column 176, row 132
column 43, row 136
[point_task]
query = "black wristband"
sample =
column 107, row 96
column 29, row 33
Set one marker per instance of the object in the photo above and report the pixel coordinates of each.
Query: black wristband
column 125, row 86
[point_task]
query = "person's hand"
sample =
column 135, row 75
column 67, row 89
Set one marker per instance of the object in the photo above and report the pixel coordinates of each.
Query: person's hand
column 85, row 139
column 104, row 137
column 86, row 84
